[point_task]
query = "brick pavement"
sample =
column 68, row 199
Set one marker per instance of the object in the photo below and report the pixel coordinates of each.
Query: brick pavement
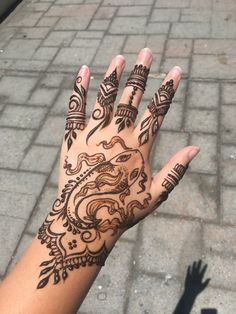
column 42, row 44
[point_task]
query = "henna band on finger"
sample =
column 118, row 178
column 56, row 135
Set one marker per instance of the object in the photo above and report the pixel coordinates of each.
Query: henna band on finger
column 76, row 114
column 127, row 115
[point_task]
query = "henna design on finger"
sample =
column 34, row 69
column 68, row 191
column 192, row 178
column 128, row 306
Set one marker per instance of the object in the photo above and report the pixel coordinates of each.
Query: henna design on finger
column 95, row 202
column 158, row 108
column 105, row 98
column 127, row 113
column 169, row 183
column 76, row 114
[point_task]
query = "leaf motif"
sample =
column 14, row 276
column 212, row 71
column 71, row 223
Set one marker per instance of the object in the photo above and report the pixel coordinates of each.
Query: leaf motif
column 145, row 122
column 67, row 134
column 128, row 123
column 118, row 120
column 69, row 143
column 56, row 277
column 43, row 283
column 74, row 135
column 64, row 275
column 143, row 137
column 46, row 270
column 47, row 262
column 155, row 127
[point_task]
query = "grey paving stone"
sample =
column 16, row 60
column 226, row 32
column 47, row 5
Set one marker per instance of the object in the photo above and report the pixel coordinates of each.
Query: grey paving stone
column 214, row 67
column 39, row 158
column 20, row 49
column 108, row 292
column 168, row 143
column 29, row 65
column 11, row 229
column 105, row 12
column 43, row 96
column 22, row 116
column 190, row 30
column 13, row 143
column 201, row 3
column 228, row 204
column 135, row 43
column 7, row 33
column 165, row 15
column 206, row 160
column 169, row 245
column 21, row 182
column 52, row 131
column 134, row 11
column 70, row 10
column 131, row 25
column 45, row 53
column 130, row 234
column 219, row 239
column 169, row 63
column 157, row 28
column 195, row 197
column 173, row 120
column 23, row 18
column 86, row 42
column 155, row 43
column 127, row 2
column 228, row 130
column 199, row 120
column 228, row 164
column 61, row 104
column 178, row 48
column 153, row 295
column 89, row 34
column 112, row 45
column 222, row 300
column 223, row 25
column 195, row 15
column 229, row 94
column 32, row 32
column 59, row 38
column 99, row 25
column 74, row 56
column 16, row 205
column 203, row 95
column 53, row 179
column 171, row 4
column 51, row 80
column 47, row 21
column 43, row 208
column 214, row 46
column 24, row 88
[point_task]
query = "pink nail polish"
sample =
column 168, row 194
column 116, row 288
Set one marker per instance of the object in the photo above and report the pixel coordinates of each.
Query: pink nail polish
column 83, row 70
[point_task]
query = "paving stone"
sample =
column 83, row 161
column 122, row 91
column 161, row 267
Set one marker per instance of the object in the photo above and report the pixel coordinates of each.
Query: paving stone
column 54, row 126
column 7, row 33
column 145, row 289
column 99, row 25
column 178, row 48
column 171, row 4
column 32, row 32
column 228, row 164
column 16, row 205
column 13, row 143
column 171, row 248
column 229, row 94
column 20, row 49
column 22, row 116
column 201, row 3
column 193, row 15
column 47, row 21
column 219, row 239
column 86, row 42
column 228, row 204
column 223, row 25
column 190, row 30
column 23, row 18
column 105, row 13
column 11, row 229
column 173, row 120
column 221, row 300
column 39, row 158
column 135, row 43
column 42, row 209
column 90, row 34
column 70, row 10
column 73, row 23
column 169, row 63
column 53, row 180
column 214, row 46
column 199, row 120
column 112, row 45
column 29, row 65
column 61, row 104
column 165, row 15
column 34, row 7
column 157, row 28
column 168, row 143
column 59, row 38
column 214, row 67
column 208, row 92
column 127, row 2
column 21, row 182
column 134, row 11
column 228, row 130
column 74, row 56
column 195, row 197
column 51, row 80
column 132, row 25
column 43, row 96
column 206, row 161
column 155, row 43
column 70, row 2
column 108, row 292
column 45, row 53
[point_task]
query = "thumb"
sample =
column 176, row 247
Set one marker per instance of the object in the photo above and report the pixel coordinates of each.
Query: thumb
column 170, row 175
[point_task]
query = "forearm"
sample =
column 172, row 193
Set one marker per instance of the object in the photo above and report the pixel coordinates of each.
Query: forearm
column 19, row 293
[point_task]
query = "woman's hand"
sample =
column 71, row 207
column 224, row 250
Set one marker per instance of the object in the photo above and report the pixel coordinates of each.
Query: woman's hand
column 105, row 184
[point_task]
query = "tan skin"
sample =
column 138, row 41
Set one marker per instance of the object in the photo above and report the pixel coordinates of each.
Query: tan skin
column 18, row 292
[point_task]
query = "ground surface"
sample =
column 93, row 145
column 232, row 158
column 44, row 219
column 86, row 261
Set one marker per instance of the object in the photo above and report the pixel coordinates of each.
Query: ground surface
column 42, row 44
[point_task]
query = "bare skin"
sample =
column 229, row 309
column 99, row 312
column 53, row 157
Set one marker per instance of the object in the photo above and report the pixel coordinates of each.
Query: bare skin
column 105, row 187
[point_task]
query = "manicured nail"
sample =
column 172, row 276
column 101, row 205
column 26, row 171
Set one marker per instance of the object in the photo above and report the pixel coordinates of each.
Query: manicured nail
column 120, row 60
column 193, row 152
column 178, row 68
column 145, row 57
column 83, row 70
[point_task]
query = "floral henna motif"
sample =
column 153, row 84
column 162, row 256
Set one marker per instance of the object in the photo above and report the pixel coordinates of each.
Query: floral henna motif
column 105, row 98
column 127, row 113
column 94, row 202
column 158, row 107
column 170, row 182
column 76, row 114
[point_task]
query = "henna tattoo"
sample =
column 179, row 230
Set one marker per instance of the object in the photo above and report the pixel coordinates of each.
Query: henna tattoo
column 90, row 205
column 127, row 113
column 105, row 98
column 170, row 182
column 158, row 107
column 76, row 114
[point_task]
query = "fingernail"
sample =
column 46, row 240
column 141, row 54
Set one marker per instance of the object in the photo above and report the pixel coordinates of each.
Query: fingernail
column 193, row 152
column 120, row 60
column 83, row 70
column 178, row 68
column 145, row 57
